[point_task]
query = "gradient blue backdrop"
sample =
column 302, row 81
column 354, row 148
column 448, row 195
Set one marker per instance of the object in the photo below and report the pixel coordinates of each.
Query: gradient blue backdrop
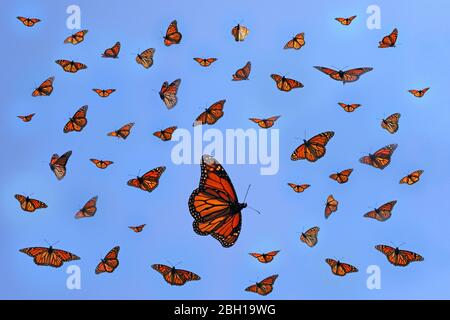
column 420, row 219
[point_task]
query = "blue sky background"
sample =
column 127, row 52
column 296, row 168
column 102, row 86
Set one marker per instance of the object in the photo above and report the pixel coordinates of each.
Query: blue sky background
column 420, row 219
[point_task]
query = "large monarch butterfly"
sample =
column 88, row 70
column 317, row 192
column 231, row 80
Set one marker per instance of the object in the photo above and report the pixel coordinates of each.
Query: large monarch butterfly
column 49, row 256
column 349, row 107
column 263, row 287
column 243, row 73
column 411, row 178
column 345, row 21
column 28, row 22
column 71, row 66
column 265, row 257
column 285, row 84
column 110, row 262
column 298, row 187
column 172, row 35
column 205, row 62
column 26, row 118
column 149, row 181
column 341, row 177
column 391, row 123
column 145, row 58
column 78, row 121
column 389, row 40
column 240, row 32
column 310, row 236
column 168, row 93
column 137, row 229
column 339, row 268
column 296, row 42
column 103, row 93
column 344, row 76
column 76, row 38
column 112, row 52
column 165, row 134
column 397, row 257
column 88, row 210
column 58, row 164
column 122, row 132
column 312, row 149
column 214, row 205
column 330, row 206
column 28, row 204
column 418, row 93
column 211, row 114
column 45, row 89
column 265, row 123
column 101, row 164
column 173, row 276
column 381, row 158
column 383, row 212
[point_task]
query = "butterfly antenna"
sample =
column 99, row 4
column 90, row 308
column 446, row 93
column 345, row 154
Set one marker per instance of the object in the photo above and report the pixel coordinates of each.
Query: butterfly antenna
column 401, row 244
column 247, row 192
column 257, row 211
column 170, row 263
column 47, row 242
column 55, row 243
column 178, row 263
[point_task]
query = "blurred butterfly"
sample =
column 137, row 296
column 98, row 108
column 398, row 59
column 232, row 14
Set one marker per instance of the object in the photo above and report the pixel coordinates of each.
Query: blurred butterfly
column 166, row 134
column 345, row 21
column 45, row 89
column 397, row 257
column 418, row 93
column 28, row 204
column 137, row 229
column 339, row 268
column 349, row 107
column 331, row 206
column 71, row 66
column 286, row 84
column 112, row 52
column 78, row 121
column 110, row 262
column 172, row 35
column 101, row 164
column 88, row 210
column 58, row 164
column 239, row 32
column 205, row 62
column 103, row 93
column 412, row 178
column 149, row 181
column 382, row 213
column 168, row 93
column 298, row 187
column 265, row 257
column 389, row 40
column 265, row 123
column 28, row 22
column 211, row 114
column 76, row 38
column 214, row 204
column 264, row 287
column 243, row 73
column 391, row 123
column 381, row 158
column 310, row 236
column 344, row 76
column 123, row 132
column 296, row 42
column 49, row 256
column 342, row 177
column 146, row 58
column 314, row 148
column 26, row 118
column 175, row 277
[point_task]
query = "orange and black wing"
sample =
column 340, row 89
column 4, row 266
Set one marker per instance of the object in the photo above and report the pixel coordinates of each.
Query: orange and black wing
column 285, row 84
column 78, row 121
column 173, row 36
column 166, row 134
column 28, row 22
column 112, row 52
column 389, row 40
column 29, row 205
column 381, row 158
column 298, row 187
column 243, row 73
column 310, row 236
column 175, row 277
column 313, row 149
column 103, row 93
column 265, row 257
column 76, row 38
column 26, row 118
column 412, row 178
column 49, row 256
column 205, row 62
column 341, row 177
column 331, row 206
column 211, row 115
column 123, row 132
column 45, row 89
column 137, row 229
column 168, row 93
column 391, row 123
column 71, row 66
column 296, row 42
column 149, row 181
column 88, row 210
column 146, row 58
column 58, row 164
column 264, row 287
column 110, row 262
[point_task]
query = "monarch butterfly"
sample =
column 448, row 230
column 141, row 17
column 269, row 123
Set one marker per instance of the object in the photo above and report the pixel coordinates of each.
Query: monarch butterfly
column 310, row 236
column 286, row 84
column 265, row 123
column 342, row 177
column 349, row 107
column 28, row 22
column 76, row 38
column 168, row 93
column 149, row 181
column 239, row 32
column 264, row 287
column 331, row 206
column 389, row 40
column 397, row 257
column 265, row 257
column 211, row 114
column 88, row 210
column 110, row 262
column 391, row 123
column 26, row 118
column 214, row 204
column 296, row 42
column 123, row 132
column 49, row 256
column 45, row 89
column 298, row 187
column 104, row 93
column 339, row 268
column 314, row 148
column 243, row 73
column 344, row 76
column 138, row 229
column 345, row 21
column 175, row 277
column 58, row 164
column 412, row 178
column 165, row 134
column 71, row 66
column 383, row 212
column 172, row 35
column 101, row 164
column 28, row 204
column 205, row 62
column 145, row 58
column 112, row 52
column 78, row 120
column 381, row 158
column 418, row 93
